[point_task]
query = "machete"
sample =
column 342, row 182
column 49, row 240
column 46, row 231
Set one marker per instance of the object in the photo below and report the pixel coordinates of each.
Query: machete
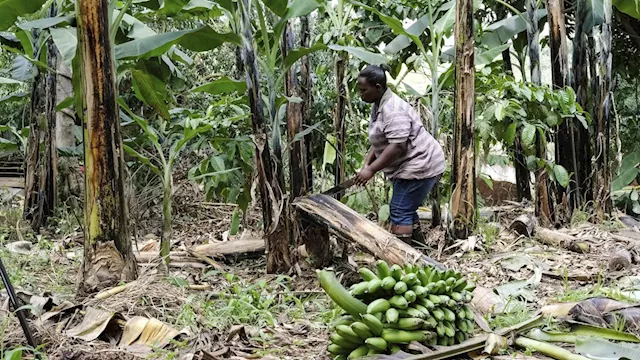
column 340, row 188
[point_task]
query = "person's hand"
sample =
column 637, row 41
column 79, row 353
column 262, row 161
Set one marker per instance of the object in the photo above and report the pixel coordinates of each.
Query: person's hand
column 364, row 175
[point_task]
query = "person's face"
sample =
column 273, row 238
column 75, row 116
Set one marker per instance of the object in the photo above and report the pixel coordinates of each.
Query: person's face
column 369, row 93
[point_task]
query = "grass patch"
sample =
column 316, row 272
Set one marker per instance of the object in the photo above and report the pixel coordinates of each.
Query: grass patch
column 515, row 312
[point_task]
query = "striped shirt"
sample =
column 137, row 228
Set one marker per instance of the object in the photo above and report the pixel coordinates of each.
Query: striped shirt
column 394, row 121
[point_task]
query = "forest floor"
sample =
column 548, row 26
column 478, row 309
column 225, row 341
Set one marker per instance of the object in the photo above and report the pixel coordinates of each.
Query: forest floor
column 233, row 309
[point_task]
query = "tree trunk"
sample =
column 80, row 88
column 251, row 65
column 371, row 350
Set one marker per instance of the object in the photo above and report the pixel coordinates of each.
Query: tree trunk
column 602, row 182
column 544, row 205
column 463, row 198
column 502, row 13
column 339, row 113
column 559, row 74
column 580, row 83
column 523, row 175
column 276, row 233
column 306, row 88
column 108, row 258
column 33, row 159
column 49, row 165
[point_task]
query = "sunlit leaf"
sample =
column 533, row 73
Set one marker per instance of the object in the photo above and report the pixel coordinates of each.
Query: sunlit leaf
column 10, row 10
column 384, row 213
column 151, row 91
column 362, row 54
column 4, row 80
column 624, row 179
column 561, row 174
column 68, row 102
column 44, row 23
column 528, row 134
column 22, row 69
column 629, row 7
column 329, row 155
column 224, row 85
column 66, row 41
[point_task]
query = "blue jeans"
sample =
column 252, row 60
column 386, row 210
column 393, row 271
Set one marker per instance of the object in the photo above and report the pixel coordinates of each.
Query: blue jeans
column 408, row 195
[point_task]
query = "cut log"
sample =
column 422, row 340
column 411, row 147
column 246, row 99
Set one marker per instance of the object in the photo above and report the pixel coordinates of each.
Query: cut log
column 351, row 226
column 524, row 225
column 231, row 248
column 620, row 260
column 215, row 250
column 558, row 239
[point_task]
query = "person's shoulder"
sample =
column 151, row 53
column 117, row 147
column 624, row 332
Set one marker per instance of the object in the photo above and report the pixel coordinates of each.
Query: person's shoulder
column 396, row 104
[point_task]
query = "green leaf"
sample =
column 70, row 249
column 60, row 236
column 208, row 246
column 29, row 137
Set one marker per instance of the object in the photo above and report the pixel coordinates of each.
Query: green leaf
column 301, row 135
column 634, row 195
column 362, row 54
column 201, row 39
column 487, row 180
column 636, row 207
column 4, row 80
column 235, row 222
column 68, row 102
column 510, row 135
column 15, row 354
column 595, row 14
column 10, row 10
column 66, row 40
column 22, row 69
column 151, row 91
column 224, row 85
column 383, row 213
column 629, row 7
column 26, row 41
column 528, row 134
column 44, row 23
column 593, row 331
column 172, row 7
column 143, row 159
column 597, row 348
column 631, row 160
column 144, row 125
column 395, row 25
column 445, row 23
column 295, row 55
column 485, row 57
column 561, row 175
column 329, row 155
column 279, row 7
column 624, row 179
column 13, row 97
column 500, row 32
column 500, row 111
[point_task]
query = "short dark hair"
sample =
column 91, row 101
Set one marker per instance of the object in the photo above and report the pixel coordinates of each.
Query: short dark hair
column 375, row 74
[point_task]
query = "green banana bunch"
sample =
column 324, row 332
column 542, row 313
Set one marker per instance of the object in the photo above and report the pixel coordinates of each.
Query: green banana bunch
column 396, row 305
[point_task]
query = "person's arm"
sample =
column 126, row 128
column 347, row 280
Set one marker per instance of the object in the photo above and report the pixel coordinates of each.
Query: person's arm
column 390, row 153
column 371, row 157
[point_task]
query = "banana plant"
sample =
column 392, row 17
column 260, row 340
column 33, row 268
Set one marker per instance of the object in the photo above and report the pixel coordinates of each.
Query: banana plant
column 167, row 140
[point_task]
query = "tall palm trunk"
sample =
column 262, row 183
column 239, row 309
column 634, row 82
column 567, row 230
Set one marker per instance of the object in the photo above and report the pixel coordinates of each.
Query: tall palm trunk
column 273, row 215
column 339, row 115
column 580, row 83
column 463, row 198
column 602, row 182
column 564, row 133
column 108, row 258
column 544, row 205
column 306, row 88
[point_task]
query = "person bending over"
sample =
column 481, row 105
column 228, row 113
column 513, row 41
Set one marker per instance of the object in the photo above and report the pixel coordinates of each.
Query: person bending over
column 410, row 157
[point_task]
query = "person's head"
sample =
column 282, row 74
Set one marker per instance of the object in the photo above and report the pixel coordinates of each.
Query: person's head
column 372, row 83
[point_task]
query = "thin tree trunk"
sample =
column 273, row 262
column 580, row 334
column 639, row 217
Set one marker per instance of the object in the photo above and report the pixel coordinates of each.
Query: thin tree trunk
column 523, row 175
column 603, row 203
column 339, row 118
column 463, row 198
column 580, row 83
column 306, row 88
column 544, row 206
column 49, row 167
column 502, row 13
column 32, row 195
column 108, row 258
column 559, row 74
column 276, row 233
